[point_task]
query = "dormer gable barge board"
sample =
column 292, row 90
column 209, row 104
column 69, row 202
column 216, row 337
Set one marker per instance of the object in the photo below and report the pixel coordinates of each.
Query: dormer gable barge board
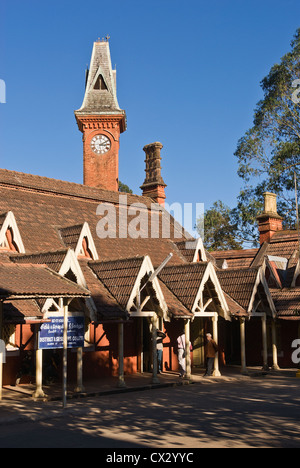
column 123, row 279
column 9, row 222
column 78, row 233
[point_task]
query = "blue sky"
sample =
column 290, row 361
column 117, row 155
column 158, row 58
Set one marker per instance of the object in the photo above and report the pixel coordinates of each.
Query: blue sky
column 188, row 75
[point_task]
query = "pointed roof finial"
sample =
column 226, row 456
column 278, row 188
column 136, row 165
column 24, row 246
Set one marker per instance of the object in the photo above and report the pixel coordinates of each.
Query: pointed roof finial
column 107, row 37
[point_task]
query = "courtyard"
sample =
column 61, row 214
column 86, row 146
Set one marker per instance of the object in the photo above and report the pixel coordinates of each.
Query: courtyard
column 257, row 411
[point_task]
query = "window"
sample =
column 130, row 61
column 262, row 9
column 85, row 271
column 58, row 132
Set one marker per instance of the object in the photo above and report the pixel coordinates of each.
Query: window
column 100, row 83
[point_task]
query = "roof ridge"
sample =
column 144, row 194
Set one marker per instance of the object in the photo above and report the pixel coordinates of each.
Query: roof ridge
column 68, row 188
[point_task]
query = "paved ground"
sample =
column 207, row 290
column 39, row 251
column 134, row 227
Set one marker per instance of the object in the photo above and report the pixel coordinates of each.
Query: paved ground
column 232, row 411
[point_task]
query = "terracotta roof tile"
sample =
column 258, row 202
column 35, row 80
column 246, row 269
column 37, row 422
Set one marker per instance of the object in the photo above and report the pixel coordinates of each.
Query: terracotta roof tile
column 238, row 284
column 53, row 259
column 70, row 235
column 287, row 302
column 17, row 311
column 118, row 276
column 184, row 281
column 107, row 306
column 35, row 281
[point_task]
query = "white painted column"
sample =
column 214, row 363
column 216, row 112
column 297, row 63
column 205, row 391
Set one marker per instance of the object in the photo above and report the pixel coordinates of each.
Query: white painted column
column 216, row 372
column 264, row 341
column 188, row 370
column 2, row 349
column 275, row 365
column 142, row 344
column 121, row 383
column 65, row 355
column 38, row 393
column 155, row 379
column 243, row 345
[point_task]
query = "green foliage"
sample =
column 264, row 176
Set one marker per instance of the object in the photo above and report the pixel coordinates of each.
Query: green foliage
column 219, row 232
column 268, row 154
column 124, row 188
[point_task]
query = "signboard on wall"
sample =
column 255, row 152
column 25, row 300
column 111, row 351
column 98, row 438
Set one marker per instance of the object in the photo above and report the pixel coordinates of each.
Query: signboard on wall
column 51, row 333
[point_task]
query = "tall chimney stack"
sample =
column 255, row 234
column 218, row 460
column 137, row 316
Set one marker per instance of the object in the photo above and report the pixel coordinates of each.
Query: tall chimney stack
column 154, row 185
column 269, row 221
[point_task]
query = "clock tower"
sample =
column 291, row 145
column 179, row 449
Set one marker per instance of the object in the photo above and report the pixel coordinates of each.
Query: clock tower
column 101, row 122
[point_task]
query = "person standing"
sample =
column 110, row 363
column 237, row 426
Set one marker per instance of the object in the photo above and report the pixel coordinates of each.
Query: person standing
column 181, row 354
column 211, row 349
column 159, row 347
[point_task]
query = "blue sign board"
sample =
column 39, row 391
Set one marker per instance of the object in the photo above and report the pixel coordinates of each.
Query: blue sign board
column 51, row 333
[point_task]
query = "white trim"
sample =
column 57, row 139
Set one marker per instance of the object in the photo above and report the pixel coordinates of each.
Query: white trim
column 71, row 263
column 86, row 232
column 210, row 273
column 296, row 274
column 146, row 268
column 199, row 247
column 10, row 222
column 206, row 314
column 260, row 278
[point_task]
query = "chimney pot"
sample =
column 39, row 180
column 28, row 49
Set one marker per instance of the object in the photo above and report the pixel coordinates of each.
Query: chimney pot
column 269, row 221
column 154, row 185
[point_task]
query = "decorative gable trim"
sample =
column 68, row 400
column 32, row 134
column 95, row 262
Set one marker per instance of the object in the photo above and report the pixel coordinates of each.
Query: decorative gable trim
column 252, row 309
column 86, row 232
column 199, row 307
column 134, row 299
column 70, row 263
column 10, row 223
column 82, row 232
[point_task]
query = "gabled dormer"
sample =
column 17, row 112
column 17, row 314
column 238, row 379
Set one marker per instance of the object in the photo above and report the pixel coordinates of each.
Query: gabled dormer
column 10, row 237
column 193, row 250
column 80, row 239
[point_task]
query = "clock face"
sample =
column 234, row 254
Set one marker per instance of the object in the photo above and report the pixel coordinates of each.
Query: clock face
column 100, row 144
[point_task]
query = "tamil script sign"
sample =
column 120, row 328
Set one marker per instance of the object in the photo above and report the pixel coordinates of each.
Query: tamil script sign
column 51, row 334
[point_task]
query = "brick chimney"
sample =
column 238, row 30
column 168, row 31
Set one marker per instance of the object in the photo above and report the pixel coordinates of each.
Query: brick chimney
column 154, row 185
column 269, row 221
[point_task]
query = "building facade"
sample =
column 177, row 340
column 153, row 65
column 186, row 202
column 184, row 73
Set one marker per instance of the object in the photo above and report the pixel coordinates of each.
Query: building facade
column 139, row 280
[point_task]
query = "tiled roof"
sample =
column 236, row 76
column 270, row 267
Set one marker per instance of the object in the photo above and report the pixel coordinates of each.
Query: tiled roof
column 184, row 281
column 238, row 284
column 234, row 258
column 175, row 307
column 287, row 302
column 70, row 235
column 235, row 308
column 44, row 206
column 53, row 260
column 118, row 276
column 107, row 306
column 18, row 310
column 35, row 281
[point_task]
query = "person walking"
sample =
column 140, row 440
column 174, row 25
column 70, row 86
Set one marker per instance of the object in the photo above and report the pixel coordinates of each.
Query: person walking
column 211, row 349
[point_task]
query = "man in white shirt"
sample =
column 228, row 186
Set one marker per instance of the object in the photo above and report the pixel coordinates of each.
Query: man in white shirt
column 181, row 355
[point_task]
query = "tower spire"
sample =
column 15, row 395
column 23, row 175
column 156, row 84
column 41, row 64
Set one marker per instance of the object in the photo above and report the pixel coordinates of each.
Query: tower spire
column 101, row 121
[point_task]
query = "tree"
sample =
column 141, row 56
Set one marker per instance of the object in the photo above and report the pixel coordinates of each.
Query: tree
column 219, row 232
column 124, row 188
column 269, row 153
